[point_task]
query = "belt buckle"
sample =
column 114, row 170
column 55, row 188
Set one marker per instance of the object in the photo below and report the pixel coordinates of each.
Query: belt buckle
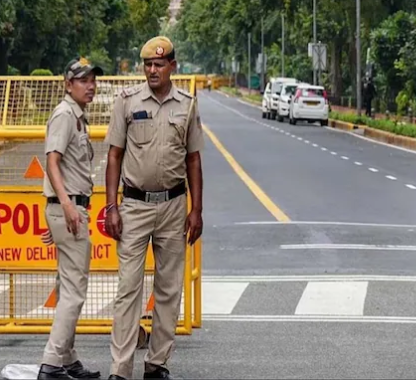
column 155, row 196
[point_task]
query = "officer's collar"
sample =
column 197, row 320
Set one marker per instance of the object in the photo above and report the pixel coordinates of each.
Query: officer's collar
column 173, row 93
column 74, row 105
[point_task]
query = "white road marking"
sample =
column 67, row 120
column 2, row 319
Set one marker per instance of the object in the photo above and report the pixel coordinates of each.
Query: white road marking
column 333, row 298
column 391, row 177
column 345, row 157
column 373, row 170
column 373, row 247
column 308, row 319
column 371, row 140
column 334, row 153
column 93, row 175
column 411, row 187
column 307, row 278
column 324, row 149
column 358, row 163
column 218, row 298
column 337, row 130
column 359, row 224
column 307, row 142
column 300, row 138
column 315, row 145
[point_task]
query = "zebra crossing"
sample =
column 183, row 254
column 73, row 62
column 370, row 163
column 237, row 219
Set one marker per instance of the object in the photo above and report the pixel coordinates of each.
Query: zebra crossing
column 303, row 298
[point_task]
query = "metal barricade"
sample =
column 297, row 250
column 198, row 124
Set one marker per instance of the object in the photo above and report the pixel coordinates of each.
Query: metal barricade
column 27, row 267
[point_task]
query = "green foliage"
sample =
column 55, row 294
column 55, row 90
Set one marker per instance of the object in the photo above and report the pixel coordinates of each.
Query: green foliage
column 41, row 72
column 385, row 125
column 48, row 33
column 12, row 71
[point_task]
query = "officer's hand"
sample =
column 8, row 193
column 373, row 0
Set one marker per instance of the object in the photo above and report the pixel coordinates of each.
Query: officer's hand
column 47, row 238
column 73, row 218
column 194, row 225
column 113, row 224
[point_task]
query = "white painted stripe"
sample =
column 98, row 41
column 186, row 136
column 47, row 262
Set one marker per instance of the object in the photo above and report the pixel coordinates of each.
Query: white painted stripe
column 333, row 298
column 372, row 247
column 371, row 140
column 307, row 141
column 93, row 175
column 300, row 138
column 358, row 163
column 220, row 298
column 373, row 170
column 329, row 223
column 307, row 319
column 324, row 149
column 345, row 158
column 411, row 187
column 334, row 153
column 315, row 145
column 391, row 177
column 307, row 278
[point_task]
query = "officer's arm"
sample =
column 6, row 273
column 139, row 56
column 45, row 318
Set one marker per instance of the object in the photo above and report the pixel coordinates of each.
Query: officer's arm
column 116, row 138
column 60, row 133
column 112, row 175
column 194, row 173
column 195, row 144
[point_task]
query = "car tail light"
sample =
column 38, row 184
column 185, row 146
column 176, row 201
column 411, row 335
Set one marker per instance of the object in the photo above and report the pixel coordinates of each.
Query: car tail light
column 297, row 96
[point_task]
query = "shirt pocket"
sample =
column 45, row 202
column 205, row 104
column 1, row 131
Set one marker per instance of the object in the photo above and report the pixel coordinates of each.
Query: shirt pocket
column 177, row 129
column 141, row 131
column 83, row 145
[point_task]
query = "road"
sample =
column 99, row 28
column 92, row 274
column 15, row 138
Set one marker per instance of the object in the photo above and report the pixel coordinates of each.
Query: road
column 309, row 256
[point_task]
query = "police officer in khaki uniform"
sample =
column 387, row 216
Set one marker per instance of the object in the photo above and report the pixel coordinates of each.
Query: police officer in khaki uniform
column 68, row 187
column 155, row 137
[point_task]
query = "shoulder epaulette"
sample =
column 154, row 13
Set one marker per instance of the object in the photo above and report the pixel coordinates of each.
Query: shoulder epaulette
column 131, row 91
column 185, row 93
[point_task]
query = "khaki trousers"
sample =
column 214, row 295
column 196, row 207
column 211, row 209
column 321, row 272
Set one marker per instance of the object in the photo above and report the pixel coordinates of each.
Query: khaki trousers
column 73, row 256
column 165, row 223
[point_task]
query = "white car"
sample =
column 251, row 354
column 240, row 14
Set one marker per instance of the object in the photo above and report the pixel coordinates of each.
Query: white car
column 309, row 104
column 271, row 96
column 283, row 102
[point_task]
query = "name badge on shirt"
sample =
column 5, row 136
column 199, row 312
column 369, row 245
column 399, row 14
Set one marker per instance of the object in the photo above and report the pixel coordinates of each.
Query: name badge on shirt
column 142, row 115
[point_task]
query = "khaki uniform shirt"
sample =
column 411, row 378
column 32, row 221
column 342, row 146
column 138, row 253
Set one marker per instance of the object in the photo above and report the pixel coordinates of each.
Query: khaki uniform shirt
column 156, row 136
column 66, row 133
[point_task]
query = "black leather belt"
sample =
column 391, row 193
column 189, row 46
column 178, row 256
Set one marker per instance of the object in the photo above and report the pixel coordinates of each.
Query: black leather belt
column 80, row 200
column 154, row 196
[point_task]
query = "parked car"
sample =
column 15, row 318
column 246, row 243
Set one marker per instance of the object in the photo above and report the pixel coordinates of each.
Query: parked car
column 271, row 96
column 283, row 102
column 310, row 104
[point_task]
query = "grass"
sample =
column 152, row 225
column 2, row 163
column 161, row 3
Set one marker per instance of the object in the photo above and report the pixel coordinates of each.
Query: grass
column 254, row 98
column 392, row 126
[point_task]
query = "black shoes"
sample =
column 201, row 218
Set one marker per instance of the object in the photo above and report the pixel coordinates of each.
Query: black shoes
column 70, row 372
column 160, row 373
column 116, row 377
column 49, row 372
column 78, row 371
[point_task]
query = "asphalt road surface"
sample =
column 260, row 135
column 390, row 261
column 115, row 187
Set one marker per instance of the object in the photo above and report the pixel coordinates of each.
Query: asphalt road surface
column 309, row 257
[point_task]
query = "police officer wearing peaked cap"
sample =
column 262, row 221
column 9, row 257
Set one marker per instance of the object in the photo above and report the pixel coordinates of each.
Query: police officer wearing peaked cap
column 155, row 137
column 68, row 187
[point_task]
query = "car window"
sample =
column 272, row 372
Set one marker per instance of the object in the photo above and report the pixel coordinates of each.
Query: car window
column 311, row 93
column 289, row 90
column 277, row 88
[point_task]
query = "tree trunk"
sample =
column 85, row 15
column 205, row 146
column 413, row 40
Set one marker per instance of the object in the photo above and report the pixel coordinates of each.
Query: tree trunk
column 4, row 48
column 336, row 69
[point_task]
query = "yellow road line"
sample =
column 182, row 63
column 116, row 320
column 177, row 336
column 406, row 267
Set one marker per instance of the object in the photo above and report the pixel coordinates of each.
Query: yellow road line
column 255, row 189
